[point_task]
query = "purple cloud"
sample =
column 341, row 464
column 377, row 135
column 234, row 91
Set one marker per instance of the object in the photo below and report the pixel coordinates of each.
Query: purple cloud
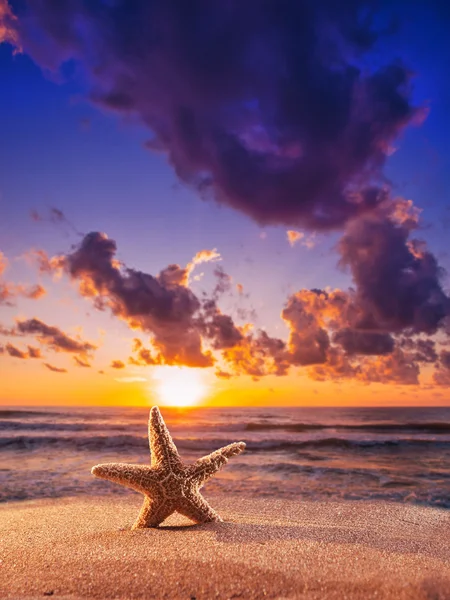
column 266, row 110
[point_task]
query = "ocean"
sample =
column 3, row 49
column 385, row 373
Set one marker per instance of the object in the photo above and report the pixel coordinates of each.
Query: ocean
column 392, row 454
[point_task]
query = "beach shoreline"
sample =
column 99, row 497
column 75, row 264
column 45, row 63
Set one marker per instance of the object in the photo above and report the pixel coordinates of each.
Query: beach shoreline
column 82, row 547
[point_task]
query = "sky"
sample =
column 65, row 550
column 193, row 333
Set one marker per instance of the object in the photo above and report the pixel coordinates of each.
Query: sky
column 224, row 203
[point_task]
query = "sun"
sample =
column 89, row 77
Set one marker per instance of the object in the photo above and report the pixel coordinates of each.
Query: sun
column 179, row 386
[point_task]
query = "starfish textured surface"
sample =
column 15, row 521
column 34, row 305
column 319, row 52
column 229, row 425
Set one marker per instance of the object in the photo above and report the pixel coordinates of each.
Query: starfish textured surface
column 168, row 485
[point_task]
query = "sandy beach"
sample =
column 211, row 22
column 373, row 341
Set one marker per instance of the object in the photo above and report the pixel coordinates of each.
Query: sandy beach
column 82, row 548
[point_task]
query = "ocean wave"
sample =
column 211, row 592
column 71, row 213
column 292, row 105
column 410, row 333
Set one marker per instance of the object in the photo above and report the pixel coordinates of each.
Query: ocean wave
column 309, row 487
column 13, row 413
column 429, row 428
column 124, row 415
column 61, row 426
column 345, row 444
column 79, row 443
column 122, row 443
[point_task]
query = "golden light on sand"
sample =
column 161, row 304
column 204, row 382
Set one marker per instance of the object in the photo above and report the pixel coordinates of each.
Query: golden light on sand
column 179, row 386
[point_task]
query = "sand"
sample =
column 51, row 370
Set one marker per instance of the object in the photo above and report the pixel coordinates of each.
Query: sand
column 82, row 548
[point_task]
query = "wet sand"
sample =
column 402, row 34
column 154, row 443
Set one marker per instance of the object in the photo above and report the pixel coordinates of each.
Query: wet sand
column 77, row 548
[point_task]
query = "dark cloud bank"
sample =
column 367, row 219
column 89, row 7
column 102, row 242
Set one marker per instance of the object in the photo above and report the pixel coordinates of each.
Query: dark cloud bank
column 262, row 105
column 265, row 107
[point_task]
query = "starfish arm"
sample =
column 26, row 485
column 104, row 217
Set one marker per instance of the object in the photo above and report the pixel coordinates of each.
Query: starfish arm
column 195, row 507
column 153, row 512
column 137, row 477
column 205, row 467
column 162, row 448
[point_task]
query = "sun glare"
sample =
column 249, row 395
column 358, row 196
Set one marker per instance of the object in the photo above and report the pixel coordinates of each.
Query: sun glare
column 179, row 386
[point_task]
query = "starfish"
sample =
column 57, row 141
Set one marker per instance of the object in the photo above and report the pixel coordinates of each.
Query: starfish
column 168, row 485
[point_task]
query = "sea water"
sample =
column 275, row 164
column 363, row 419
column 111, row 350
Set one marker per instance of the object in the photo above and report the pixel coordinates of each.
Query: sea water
column 393, row 454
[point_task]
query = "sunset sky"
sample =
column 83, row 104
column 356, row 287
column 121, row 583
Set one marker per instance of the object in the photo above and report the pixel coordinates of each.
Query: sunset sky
column 224, row 203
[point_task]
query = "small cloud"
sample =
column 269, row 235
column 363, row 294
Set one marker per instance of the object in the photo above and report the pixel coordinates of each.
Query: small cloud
column 54, row 338
column 54, row 369
column 3, row 263
column 7, row 294
column 81, row 362
column 309, row 241
column 223, row 284
column 203, row 256
column 223, row 374
column 34, row 292
column 54, row 216
column 9, row 331
column 263, row 235
column 45, row 264
column 16, row 352
column 294, row 236
column 8, row 31
column 144, row 356
column 117, row 364
column 34, row 352
column 10, row 291
column 206, row 256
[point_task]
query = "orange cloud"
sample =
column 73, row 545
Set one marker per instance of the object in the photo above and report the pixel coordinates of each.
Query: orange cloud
column 206, row 256
column 143, row 356
column 294, row 236
column 203, row 256
column 8, row 31
column 442, row 373
column 46, row 265
column 117, row 364
column 54, row 369
column 15, row 352
column 161, row 305
column 34, row 292
column 34, row 352
column 397, row 368
column 7, row 294
column 257, row 355
column 3, row 263
column 357, row 334
column 81, row 362
column 176, row 275
column 10, row 291
column 223, row 374
column 297, row 236
column 54, row 338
